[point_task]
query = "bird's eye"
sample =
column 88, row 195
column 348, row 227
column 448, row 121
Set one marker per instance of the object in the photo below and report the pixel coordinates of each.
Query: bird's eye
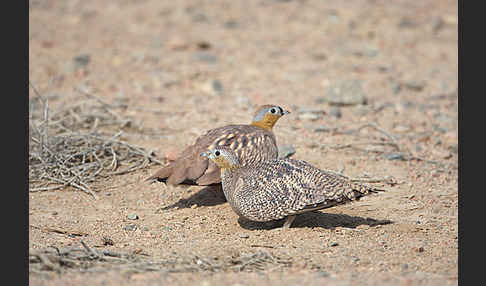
column 217, row 153
column 273, row 110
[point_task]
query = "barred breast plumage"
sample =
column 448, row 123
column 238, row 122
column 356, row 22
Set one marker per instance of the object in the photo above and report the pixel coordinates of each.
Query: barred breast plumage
column 252, row 142
column 281, row 188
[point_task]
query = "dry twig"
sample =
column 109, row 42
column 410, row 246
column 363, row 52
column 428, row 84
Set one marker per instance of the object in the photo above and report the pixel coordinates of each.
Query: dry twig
column 74, row 153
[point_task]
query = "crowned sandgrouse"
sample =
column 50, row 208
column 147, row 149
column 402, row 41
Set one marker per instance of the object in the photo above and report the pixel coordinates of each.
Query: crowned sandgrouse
column 252, row 143
column 281, row 188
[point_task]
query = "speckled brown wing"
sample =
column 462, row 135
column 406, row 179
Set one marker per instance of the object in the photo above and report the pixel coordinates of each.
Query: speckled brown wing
column 275, row 189
column 251, row 143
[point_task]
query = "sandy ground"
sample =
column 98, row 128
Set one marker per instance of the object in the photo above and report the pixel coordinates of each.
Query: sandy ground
column 182, row 67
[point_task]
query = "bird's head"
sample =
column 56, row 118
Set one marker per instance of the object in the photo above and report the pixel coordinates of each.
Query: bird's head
column 267, row 115
column 223, row 157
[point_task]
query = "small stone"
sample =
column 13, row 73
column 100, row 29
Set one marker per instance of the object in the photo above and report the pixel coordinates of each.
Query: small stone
column 177, row 44
column 395, row 156
column 322, row 129
column 335, row 111
column 130, row 227
column 421, row 249
column 406, row 22
column 435, row 173
column 82, row 60
column 303, row 110
column 453, row 148
column 217, row 86
column 442, row 154
column 437, row 24
column 205, row 56
column 285, row 151
column 199, row 17
column 346, row 93
column 332, row 244
column 396, row 87
column 132, row 216
column 243, row 102
column 401, row 128
column 415, row 85
column 308, row 116
column 107, row 241
column 322, row 273
column 371, row 52
column 244, row 235
column 210, row 87
column 319, row 56
column 231, row 24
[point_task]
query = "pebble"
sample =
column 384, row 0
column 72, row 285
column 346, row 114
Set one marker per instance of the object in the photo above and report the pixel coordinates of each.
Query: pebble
column 231, row 24
column 442, row 154
column 132, row 216
column 323, row 273
column 244, row 235
column 322, row 129
column 401, row 128
column 243, row 102
column 308, row 116
column 396, row 87
column 453, row 148
column 332, row 244
column 406, row 22
column 205, row 56
column 177, row 44
column 210, row 87
column 346, row 93
column 107, row 241
column 199, row 17
column 304, row 110
column 335, row 111
column 395, row 156
column 415, row 85
column 285, row 151
column 82, row 60
column 437, row 24
column 130, row 227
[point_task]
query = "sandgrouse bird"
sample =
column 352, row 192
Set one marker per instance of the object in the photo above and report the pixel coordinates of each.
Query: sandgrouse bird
column 281, row 188
column 252, row 143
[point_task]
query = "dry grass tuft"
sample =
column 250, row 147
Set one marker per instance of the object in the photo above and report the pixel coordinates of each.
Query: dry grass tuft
column 68, row 148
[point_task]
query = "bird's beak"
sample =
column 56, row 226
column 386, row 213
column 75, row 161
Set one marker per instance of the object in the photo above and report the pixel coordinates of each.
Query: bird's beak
column 205, row 154
column 286, row 112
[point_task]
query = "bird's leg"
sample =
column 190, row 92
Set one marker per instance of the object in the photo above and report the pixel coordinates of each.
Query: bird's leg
column 288, row 221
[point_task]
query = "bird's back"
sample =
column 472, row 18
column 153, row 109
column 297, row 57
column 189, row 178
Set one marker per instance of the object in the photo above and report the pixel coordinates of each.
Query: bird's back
column 277, row 188
column 251, row 143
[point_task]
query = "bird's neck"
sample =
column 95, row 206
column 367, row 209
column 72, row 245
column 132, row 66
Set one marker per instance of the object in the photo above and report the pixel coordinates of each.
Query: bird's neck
column 266, row 123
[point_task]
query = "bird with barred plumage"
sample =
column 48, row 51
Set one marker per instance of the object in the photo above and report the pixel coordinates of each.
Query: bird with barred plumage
column 252, row 143
column 281, row 188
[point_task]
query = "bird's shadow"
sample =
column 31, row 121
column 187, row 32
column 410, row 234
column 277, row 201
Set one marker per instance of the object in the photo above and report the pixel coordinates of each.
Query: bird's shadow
column 315, row 219
column 208, row 196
